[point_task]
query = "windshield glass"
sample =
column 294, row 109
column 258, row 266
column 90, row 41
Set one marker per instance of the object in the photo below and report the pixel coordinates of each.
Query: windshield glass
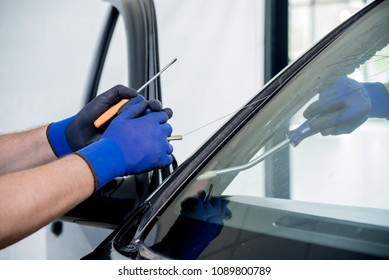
column 306, row 177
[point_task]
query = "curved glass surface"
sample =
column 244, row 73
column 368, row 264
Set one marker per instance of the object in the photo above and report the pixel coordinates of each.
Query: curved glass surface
column 306, row 178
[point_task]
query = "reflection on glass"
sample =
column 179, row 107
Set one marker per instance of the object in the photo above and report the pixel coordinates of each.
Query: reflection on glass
column 335, row 174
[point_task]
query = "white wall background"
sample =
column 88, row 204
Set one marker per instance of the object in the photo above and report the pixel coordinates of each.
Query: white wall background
column 219, row 46
column 46, row 49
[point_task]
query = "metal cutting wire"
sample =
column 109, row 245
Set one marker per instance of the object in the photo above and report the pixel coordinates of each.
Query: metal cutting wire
column 293, row 137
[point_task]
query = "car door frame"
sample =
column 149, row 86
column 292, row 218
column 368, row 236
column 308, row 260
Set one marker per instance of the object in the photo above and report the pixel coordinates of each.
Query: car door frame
column 110, row 205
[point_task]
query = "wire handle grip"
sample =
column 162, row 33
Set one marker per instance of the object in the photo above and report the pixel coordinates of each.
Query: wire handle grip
column 297, row 135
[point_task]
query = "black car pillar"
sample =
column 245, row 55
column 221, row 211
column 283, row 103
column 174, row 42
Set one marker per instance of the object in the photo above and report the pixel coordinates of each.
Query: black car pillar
column 277, row 174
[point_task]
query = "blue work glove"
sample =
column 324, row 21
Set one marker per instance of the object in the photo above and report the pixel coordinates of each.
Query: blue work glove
column 76, row 132
column 153, row 106
column 379, row 99
column 346, row 105
column 131, row 144
column 212, row 210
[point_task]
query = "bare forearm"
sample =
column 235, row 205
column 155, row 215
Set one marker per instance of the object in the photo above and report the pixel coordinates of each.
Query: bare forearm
column 24, row 150
column 32, row 198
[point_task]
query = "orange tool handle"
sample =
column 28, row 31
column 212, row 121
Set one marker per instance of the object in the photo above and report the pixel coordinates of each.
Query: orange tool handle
column 110, row 113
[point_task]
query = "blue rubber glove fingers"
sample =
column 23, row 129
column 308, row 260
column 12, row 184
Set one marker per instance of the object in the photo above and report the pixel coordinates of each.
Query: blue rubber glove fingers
column 134, row 112
column 142, row 141
column 222, row 211
column 153, row 106
column 130, row 145
column 156, row 106
column 212, row 210
column 105, row 157
column 81, row 131
column 340, row 109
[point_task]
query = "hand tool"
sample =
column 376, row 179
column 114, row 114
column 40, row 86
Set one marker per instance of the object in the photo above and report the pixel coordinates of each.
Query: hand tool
column 111, row 112
column 175, row 138
column 293, row 137
column 208, row 195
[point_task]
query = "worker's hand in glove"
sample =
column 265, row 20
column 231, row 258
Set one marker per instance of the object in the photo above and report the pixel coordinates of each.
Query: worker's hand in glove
column 152, row 106
column 202, row 208
column 346, row 105
column 78, row 131
column 133, row 143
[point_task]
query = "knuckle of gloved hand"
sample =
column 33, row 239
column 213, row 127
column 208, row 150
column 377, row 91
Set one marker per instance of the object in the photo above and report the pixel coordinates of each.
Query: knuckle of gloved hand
column 120, row 91
column 161, row 118
column 113, row 95
column 169, row 150
column 308, row 112
column 120, row 87
column 138, row 99
column 170, row 160
column 168, row 130
column 155, row 105
column 137, row 104
column 115, row 91
column 163, row 161
column 169, row 112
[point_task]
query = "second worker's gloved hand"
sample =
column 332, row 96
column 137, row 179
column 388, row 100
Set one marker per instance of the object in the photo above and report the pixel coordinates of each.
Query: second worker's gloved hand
column 76, row 132
column 346, row 105
column 131, row 144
